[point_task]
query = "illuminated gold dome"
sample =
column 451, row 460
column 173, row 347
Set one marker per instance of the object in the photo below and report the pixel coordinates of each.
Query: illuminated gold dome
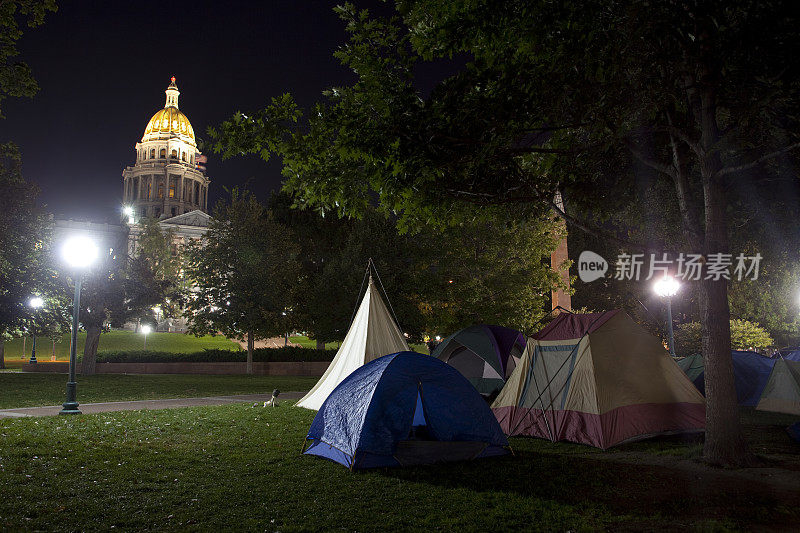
column 170, row 122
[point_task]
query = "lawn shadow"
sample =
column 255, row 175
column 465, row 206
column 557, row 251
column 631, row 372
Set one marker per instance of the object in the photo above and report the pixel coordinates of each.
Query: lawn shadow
column 579, row 475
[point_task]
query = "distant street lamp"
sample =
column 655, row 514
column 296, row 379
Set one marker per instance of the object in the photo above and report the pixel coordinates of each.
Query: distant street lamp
column 129, row 212
column 35, row 304
column 667, row 287
column 78, row 252
column 145, row 331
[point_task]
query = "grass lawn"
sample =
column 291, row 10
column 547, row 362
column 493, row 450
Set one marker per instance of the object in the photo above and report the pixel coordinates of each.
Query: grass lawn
column 117, row 341
column 234, row 467
column 30, row 390
column 304, row 341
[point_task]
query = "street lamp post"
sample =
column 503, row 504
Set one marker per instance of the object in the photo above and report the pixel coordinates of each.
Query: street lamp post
column 145, row 330
column 667, row 287
column 35, row 303
column 79, row 252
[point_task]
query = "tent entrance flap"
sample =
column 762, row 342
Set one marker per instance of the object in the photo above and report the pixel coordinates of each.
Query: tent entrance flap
column 419, row 413
column 548, row 377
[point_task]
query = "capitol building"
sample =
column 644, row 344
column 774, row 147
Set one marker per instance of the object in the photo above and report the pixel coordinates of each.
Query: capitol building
column 167, row 179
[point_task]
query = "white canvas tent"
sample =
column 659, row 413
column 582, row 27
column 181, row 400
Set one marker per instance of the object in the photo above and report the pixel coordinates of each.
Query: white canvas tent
column 372, row 334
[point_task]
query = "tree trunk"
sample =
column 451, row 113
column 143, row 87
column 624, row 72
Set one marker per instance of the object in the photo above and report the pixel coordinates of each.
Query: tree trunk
column 2, row 353
column 320, row 345
column 88, row 365
column 724, row 444
column 250, row 345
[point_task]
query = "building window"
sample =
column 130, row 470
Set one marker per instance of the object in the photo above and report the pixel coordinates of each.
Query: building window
column 147, row 192
column 161, row 191
column 172, row 191
column 174, row 154
column 173, row 214
column 183, row 156
column 162, row 154
column 152, row 153
column 196, row 194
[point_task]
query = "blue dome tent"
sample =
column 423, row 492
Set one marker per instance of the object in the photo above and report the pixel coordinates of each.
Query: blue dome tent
column 750, row 372
column 404, row 409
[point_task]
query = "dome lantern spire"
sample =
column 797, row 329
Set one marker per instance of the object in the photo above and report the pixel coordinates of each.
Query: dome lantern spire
column 172, row 94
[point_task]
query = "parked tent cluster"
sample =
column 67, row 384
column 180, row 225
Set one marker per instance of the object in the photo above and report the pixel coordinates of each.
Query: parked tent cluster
column 382, row 405
column 597, row 379
column 768, row 384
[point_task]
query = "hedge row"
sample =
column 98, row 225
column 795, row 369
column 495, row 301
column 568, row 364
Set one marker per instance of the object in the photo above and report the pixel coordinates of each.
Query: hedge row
column 289, row 353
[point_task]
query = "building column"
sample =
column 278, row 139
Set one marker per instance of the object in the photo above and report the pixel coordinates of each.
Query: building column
column 165, row 200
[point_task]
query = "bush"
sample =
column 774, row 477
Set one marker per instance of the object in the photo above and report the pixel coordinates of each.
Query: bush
column 289, row 353
column 745, row 335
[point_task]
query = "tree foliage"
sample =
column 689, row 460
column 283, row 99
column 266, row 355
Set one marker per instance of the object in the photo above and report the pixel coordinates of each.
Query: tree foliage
column 745, row 335
column 244, row 271
column 437, row 280
column 26, row 263
column 16, row 77
column 157, row 263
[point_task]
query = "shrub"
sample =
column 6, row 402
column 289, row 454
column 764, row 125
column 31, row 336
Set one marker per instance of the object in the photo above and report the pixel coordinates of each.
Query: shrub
column 745, row 335
column 289, row 353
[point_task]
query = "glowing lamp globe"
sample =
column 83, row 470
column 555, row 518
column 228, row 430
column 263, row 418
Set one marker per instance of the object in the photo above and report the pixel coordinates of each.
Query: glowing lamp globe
column 667, row 287
column 146, row 329
column 79, row 251
column 36, row 302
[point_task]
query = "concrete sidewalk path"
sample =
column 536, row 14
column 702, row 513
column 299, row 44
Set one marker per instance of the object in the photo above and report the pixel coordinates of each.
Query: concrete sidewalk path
column 104, row 407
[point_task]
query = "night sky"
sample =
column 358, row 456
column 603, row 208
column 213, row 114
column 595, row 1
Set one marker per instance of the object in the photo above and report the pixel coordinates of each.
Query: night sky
column 103, row 67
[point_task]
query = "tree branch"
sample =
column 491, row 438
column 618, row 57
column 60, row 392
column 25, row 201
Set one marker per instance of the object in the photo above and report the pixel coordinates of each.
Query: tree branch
column 754, row 163
column 586, row 227
column 649, row 161
column 680, row 135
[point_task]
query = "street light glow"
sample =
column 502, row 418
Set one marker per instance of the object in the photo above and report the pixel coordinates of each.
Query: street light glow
column 36, row 302
column 666, row 287
column 146, row 329
column 79, row 251
column 128, row 211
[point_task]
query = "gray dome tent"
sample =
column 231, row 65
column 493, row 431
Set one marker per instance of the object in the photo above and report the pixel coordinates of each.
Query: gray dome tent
column 485, row 355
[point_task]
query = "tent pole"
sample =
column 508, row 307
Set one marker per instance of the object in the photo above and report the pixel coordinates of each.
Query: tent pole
column 385, row 294
column 358, row 302
column 547, row 423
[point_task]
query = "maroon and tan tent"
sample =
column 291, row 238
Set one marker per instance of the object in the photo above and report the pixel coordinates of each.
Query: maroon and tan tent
column 598, row 379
